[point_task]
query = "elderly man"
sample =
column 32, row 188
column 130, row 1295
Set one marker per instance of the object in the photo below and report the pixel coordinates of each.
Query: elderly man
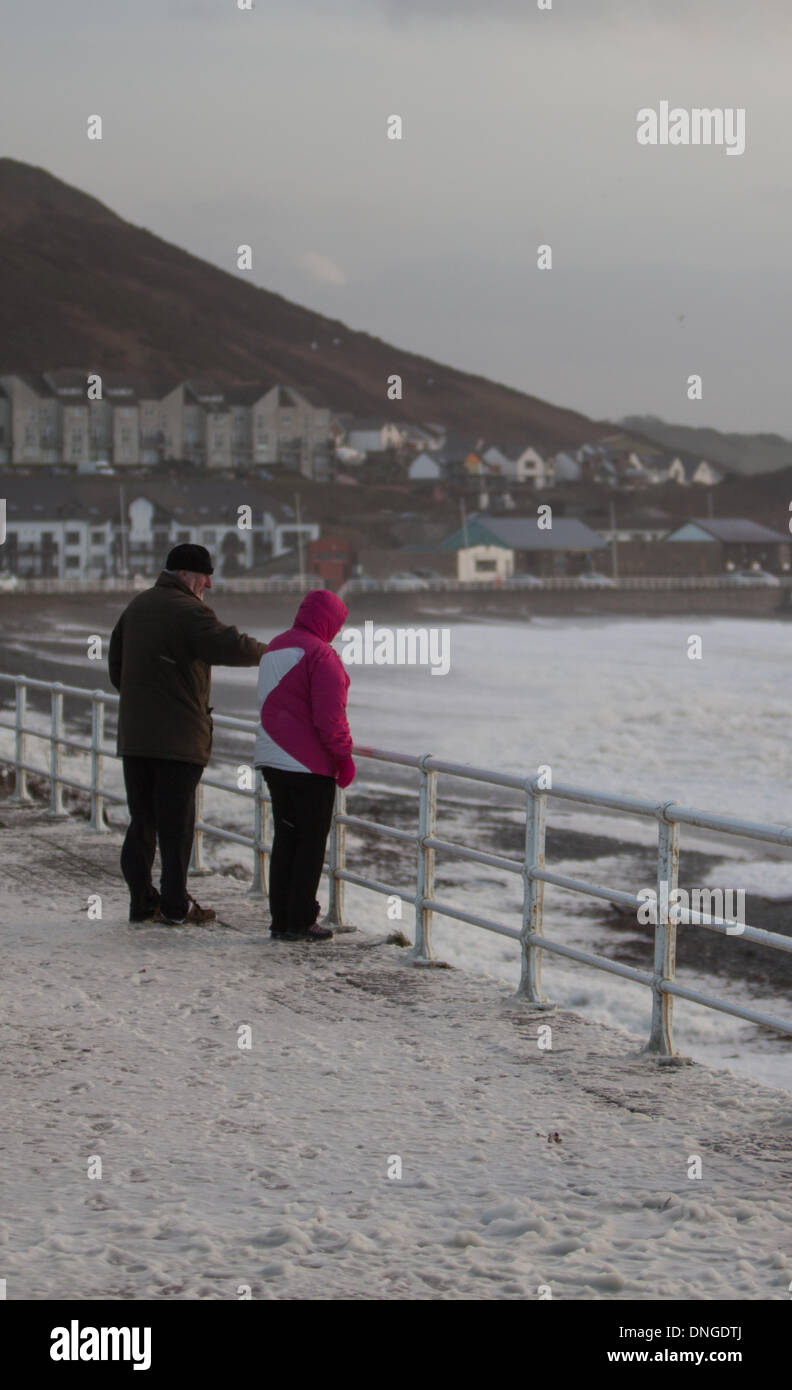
column 161, row 653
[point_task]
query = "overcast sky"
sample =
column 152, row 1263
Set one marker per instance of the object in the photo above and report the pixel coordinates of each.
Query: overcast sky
column 223, row 126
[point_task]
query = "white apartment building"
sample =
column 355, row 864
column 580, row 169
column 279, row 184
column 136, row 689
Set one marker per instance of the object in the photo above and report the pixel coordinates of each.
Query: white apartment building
column 75, row 531
column 47, row 548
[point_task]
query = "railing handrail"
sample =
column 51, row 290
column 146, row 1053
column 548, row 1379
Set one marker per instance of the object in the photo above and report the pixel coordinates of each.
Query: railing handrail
column 610, row 801
column 669, row 815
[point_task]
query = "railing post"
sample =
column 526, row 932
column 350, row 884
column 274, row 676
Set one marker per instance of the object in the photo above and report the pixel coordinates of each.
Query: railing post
column 56, row 809
column 97, row 762
column 336, row 861
column 197, row 865
column 421, row 952
column 530, row 986
column 21, row 793
column 261, row 830
column 661, row 1037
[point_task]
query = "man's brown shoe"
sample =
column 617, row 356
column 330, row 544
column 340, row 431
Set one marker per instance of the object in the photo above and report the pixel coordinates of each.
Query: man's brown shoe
column 200, row 914
column 196, row 915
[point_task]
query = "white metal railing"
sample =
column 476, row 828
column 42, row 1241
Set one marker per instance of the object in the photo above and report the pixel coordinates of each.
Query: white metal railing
column 531, row 868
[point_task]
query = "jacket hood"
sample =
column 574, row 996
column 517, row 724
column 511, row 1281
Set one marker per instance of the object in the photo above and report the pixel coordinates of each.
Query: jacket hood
column 323, row 613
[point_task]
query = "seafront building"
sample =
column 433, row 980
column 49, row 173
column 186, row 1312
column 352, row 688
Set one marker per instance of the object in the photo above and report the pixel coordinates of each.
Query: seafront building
column 92, row 528
column 49, row 421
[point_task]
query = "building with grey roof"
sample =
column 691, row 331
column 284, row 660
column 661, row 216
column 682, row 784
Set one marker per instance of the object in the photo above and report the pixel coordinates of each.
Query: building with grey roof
column 729, row 530
column 742, row 543
column 565, row 547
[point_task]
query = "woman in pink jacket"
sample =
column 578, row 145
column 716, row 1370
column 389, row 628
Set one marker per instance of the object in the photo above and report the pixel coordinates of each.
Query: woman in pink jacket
column 304, row 750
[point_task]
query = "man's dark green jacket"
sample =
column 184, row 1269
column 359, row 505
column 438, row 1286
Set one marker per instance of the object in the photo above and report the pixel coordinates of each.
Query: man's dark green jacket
column 161, row 653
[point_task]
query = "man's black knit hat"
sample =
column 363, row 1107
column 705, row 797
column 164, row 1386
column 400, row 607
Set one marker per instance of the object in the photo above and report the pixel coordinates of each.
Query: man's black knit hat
column 195, row 558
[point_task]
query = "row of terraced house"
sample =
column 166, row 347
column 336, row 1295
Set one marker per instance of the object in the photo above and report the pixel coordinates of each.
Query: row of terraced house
column 58, row 419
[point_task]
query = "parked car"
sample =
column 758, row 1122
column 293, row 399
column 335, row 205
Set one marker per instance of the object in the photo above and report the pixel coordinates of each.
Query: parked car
column 751, row 577
column 8, row 582
column 523, row 581
column 595, row 581
column 404, row 581
column 98, row 467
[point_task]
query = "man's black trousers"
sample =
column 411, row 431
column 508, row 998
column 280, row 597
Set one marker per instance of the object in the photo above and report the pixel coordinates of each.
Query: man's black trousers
column 302, row 811
column 161, row 799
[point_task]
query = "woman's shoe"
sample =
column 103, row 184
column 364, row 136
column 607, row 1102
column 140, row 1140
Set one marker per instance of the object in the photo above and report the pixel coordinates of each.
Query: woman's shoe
column 318, row 933
column 314, row 933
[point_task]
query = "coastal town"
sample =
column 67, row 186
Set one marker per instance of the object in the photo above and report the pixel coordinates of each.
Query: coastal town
column 101, row 473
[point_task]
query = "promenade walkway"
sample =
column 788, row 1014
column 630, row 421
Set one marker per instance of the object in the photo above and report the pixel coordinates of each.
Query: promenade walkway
column 267, row 1166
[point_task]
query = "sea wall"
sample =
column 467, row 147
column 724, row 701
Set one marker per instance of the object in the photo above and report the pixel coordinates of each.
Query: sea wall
column 596, row 603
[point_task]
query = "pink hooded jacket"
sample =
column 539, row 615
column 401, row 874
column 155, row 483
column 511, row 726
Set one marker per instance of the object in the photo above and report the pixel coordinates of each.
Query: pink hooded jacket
column 302, row 691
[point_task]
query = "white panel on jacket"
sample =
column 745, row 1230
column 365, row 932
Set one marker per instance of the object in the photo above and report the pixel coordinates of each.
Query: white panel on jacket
column 273, row 667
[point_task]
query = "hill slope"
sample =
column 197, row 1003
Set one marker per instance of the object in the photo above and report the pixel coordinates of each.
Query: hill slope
column 80, row 285
column 741, row 453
